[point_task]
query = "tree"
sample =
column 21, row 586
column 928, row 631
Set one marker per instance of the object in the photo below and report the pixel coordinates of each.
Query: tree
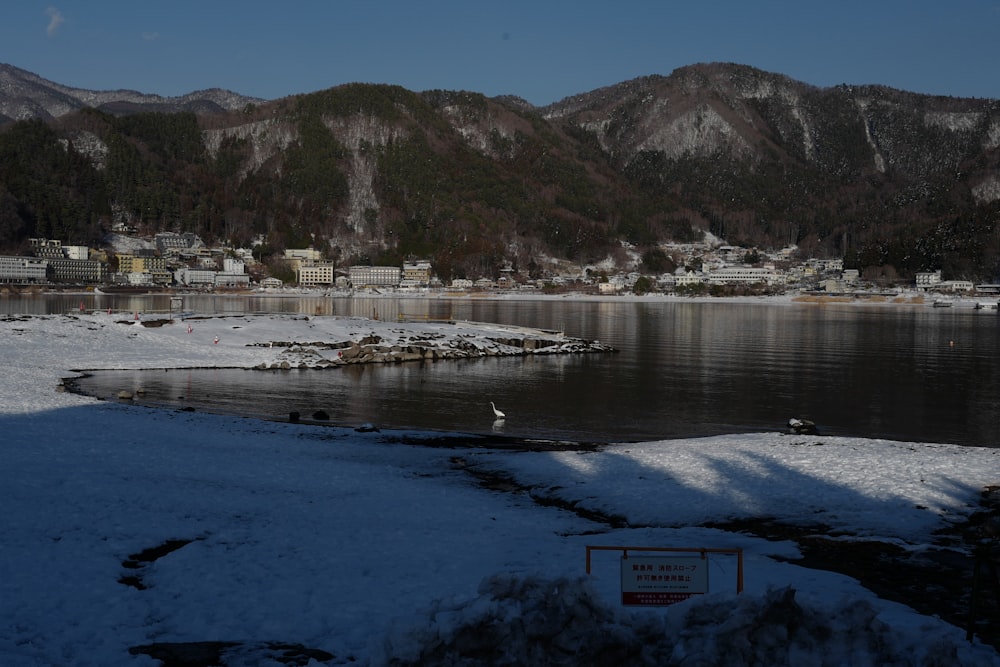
column 642, row 286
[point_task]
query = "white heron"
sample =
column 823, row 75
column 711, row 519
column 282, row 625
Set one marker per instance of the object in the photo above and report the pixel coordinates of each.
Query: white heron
column 499, row 415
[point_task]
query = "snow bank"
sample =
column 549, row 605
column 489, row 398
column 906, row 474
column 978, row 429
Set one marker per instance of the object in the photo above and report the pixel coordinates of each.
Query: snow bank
column 373, row 552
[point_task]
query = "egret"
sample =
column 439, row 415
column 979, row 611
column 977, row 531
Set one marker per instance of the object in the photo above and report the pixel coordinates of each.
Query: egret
column 496, row 412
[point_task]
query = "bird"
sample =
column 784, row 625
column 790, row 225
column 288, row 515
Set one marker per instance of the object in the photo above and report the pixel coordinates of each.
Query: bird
column 499, row 415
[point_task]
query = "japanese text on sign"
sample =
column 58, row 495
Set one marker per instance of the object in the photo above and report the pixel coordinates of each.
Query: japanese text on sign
column 660, row 580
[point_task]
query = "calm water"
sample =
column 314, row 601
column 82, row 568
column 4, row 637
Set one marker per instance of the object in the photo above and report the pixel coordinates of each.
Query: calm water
column 911, row 373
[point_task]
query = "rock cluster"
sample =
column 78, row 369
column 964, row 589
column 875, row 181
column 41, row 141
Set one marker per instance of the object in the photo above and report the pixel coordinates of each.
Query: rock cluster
column 374, row 349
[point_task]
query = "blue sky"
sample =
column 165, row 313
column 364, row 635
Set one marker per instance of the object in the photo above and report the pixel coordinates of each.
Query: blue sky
column 540, row 50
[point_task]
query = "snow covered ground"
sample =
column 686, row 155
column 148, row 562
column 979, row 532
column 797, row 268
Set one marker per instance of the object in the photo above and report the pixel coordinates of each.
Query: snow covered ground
column 123, row 527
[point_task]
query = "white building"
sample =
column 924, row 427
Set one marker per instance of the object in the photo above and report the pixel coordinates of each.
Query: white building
column 224, row 279
column 688, row 279
column 195, row 277
column 928, row 278
column 233, row 265
column 745, row 275
column 375, row 276
column 23, row 269
column 78, row 252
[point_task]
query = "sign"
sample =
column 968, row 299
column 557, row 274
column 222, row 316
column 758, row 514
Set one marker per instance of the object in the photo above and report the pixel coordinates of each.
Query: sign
column 662, row 580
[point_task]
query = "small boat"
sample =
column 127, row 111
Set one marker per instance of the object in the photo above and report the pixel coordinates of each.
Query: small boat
column 987, row 305
column 942, row 304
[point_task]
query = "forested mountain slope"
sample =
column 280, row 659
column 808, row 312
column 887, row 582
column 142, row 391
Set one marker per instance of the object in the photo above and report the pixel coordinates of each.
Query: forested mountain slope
column 892, row 181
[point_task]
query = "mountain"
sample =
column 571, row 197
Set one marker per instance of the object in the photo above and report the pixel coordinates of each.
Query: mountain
column 24, row 95
column 894, row 182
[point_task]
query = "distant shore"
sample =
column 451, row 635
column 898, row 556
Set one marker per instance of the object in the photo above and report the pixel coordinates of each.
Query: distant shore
column 900, row 298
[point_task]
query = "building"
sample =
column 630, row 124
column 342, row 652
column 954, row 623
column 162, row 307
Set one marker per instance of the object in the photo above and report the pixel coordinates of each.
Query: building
column 233, row 265
column 316, row 274
column 303, row 254
column 688, row 279
column 375, row 276
column 134, row 266
column 925, row 279
column 79, row 252
column 173, row 243
column 195, row 277
column 47, row 248
column 417, row 274
column 23, row 270
column 745, row 275
column 77, row 270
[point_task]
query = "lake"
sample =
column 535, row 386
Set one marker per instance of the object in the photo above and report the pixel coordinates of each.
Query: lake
column 684, row 368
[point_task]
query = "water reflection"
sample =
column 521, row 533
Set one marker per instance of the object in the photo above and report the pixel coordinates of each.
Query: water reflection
column 684, row 368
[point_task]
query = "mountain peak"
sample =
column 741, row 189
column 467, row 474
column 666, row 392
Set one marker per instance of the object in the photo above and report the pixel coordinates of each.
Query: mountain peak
column 25, row 95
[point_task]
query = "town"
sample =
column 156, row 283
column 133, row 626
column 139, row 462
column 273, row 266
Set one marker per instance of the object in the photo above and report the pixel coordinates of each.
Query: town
column 182, row 261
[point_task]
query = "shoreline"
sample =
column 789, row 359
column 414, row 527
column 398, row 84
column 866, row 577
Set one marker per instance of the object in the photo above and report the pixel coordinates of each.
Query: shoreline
column 900, row 297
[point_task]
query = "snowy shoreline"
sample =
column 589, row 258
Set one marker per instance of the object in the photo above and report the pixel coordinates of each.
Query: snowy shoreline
column 372, row 550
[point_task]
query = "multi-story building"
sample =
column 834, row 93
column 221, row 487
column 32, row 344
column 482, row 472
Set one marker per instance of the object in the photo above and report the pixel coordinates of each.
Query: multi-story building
column 317, row 274
column 927, row 279
column 375, row 276
column 417, row 273
column 195, row 277
column 745, row 275
column 23, row 269
column 47, row 248
column 77, row 270
column 173, row 243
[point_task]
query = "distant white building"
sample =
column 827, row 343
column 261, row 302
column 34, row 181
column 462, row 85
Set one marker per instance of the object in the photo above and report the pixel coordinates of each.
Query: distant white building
column 688, row 278
column 745, row 275
column 375, row 276
column 224, row 279
column 23, row 270
column 195, row 277
column 78, row 252
column 233, row 265
column 927, row 279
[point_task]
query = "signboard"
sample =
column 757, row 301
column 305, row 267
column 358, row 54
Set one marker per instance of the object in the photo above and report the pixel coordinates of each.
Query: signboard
column 662, row 580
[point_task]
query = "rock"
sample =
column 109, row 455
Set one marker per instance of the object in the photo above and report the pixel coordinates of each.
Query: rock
column 802, row 427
